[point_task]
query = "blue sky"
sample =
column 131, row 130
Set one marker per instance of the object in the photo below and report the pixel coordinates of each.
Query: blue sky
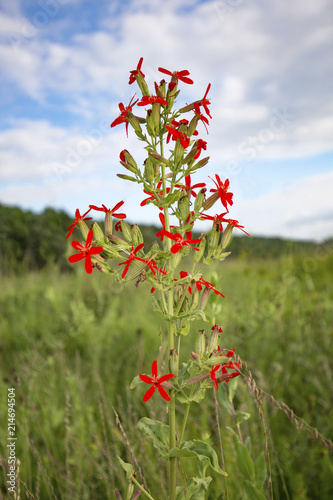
column 65, row 67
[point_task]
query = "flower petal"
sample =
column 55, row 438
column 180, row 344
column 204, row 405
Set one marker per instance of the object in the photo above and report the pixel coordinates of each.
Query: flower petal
column 148, row 394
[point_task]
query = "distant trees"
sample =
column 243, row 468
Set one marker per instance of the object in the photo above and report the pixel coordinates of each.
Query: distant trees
column 30, row 241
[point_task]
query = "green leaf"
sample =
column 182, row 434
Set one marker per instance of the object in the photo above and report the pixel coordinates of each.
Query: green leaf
column 244, row 461
column 156, row 432
column 242, row 415
column 184, row 372
column 260, row 470
column 201, row 450
column 182, row 398
column 232, row 387
column 136, row 381
column 198, row 396
column 252, row 493
column 222, row 397
column 195, row 489
column 127, row 468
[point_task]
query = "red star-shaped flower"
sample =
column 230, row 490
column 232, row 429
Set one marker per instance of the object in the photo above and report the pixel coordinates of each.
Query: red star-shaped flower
column 221, row 191
column 85, row 252
column 183, row 138
column 122, row 118
column 136, row 71
column 78, row 218
column 156, row 383
column 146, row 99
column 131, row 257
column 180, row 240
column 188, row 188
column 110, row 210
column 177, row 75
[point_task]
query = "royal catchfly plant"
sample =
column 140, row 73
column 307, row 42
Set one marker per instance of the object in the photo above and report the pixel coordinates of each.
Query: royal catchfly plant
column 173, row 269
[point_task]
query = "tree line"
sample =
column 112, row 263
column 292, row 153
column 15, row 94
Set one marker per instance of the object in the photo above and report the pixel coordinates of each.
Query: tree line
column 30, row 241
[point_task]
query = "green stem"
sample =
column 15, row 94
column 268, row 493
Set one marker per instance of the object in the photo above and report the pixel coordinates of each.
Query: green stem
column 171, row 344
column 142, row 488
column 185, row 419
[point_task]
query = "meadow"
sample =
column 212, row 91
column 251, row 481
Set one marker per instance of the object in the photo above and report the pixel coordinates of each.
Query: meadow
column 72, row 343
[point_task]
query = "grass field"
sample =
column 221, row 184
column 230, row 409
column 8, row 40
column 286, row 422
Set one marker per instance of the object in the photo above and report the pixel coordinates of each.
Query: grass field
column 71, row 344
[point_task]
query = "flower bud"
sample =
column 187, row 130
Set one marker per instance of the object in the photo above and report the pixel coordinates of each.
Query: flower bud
column 175, row 260
column 213, row 340
column 83, row 228
column 192, row 125
column 200, row 344
column 201, row 163
column 155, row 115
column 178, row 155
column 202, row 245
column 108, row 223
column 184, row 207
column 149, row 170
column 127, row 232
column 195, row 356
column 134, row 121
column 204, row 298
column 129, row 167
column 109, row 251
column 129, row 160
column 199, row 200
column 174, row 361
column 142, row 84
column 98, row 233
column 195, row 297
column 213, row 240
column 226, row 236
column 137, row 235
column 207, row 204
column 156, row 158
column 188, row 107
column 127, row 177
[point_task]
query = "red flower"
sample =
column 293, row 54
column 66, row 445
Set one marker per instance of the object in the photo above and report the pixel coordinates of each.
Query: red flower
column 135, row 72
column 225, row 368
column 183, row 138
column 213, row 375
column 201, row 116
column 235, row 223
column 205, row 102
column 209, row 286
column 222, row 191
column 188, row 188
column 156, row 383
column 146, row 99
column 152, row 266
column 85, row 252
column 123, row 114
column 78, row 218
column 180, row 241
column 131, row 257
column 200, row 145
column 153, row 195
column 219, row 330
column 110, row 210
column 162, row 219
column 177, row 75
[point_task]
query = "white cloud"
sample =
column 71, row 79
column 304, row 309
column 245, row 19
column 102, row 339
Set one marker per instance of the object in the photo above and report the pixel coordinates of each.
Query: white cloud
column 302, row 210
column 263, row 63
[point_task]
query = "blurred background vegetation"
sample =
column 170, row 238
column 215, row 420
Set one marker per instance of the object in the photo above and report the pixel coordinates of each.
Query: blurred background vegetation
column 71, row 344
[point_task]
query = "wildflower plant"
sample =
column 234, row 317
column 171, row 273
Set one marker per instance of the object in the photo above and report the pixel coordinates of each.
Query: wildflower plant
column 175, row 154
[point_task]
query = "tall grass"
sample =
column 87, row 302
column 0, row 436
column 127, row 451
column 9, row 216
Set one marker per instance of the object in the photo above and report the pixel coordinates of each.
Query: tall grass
column 71, row 345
